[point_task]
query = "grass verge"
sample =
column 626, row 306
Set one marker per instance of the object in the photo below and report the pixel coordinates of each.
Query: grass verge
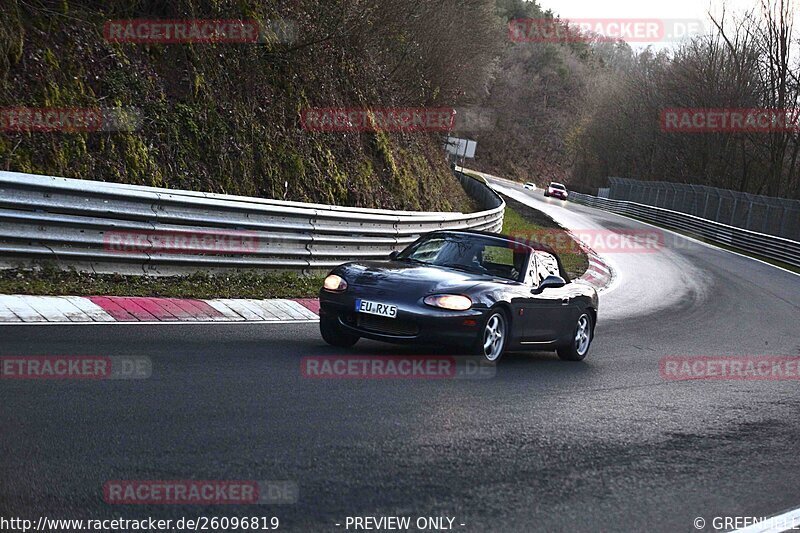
column 53, row 282
column 524, row 221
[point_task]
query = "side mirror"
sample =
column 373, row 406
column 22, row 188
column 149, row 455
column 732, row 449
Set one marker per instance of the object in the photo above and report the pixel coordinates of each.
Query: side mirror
column 550, row 282
column 393, row 255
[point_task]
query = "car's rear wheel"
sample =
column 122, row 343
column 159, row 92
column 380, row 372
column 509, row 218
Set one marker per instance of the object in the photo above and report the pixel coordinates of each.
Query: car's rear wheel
column 492, row 342
column 332, row 334
column 581, row 340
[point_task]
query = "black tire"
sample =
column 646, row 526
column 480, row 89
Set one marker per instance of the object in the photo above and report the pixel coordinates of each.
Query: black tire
column 579, row 346
column 332, row 334
column 505, row 326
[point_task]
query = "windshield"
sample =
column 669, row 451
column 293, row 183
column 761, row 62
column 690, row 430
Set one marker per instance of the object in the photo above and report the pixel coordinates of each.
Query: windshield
column 470, row 253
column 558, row 186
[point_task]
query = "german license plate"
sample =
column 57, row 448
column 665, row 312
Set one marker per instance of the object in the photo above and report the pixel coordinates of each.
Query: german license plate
column 376, row 308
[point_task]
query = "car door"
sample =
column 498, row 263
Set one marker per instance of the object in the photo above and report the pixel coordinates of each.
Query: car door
column 549, row 313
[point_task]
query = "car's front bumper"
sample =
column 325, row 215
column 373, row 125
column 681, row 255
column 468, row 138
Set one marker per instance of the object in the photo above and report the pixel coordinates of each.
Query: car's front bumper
column 414, row 323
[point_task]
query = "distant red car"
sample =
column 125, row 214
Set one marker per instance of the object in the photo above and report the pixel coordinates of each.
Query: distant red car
column 557, row 190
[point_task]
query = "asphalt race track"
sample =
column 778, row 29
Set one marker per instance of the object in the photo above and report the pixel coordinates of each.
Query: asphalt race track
column 545, row 445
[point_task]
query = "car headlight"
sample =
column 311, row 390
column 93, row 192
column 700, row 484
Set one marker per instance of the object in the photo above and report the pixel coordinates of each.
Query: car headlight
column 335, row 283
column 453, row 302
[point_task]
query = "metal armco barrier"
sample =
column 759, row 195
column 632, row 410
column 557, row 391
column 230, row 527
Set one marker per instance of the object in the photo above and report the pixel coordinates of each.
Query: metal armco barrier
column 75, row 224
column 785, row 250
column 762, row 214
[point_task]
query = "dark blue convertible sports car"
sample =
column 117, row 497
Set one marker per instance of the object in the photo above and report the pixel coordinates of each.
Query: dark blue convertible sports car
column 481, row 291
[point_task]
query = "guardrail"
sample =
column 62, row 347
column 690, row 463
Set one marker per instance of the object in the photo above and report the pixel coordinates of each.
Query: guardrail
column 769, row 246
column 754, row 212
column 82, row 224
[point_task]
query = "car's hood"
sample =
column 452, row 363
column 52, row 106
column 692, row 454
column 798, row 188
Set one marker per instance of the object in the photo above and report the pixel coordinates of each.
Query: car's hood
column 401, row 276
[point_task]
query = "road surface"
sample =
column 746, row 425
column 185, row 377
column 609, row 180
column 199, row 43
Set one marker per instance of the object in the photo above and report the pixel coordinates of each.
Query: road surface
column 545, row 445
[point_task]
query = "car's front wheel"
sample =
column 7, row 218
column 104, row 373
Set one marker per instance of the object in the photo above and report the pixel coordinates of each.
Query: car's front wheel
column 577, row 349
column 492, row 342
column 332, row 334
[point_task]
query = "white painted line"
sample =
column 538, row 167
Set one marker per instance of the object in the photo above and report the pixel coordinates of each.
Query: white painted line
column 247, row 310
column 7, row 315
column 594, row 274
column 296, row 309
column 224, row 309
column 54, row 308
column 597, row 265
column 20, row 308
column 288, row 309
column 268, row 309
column 45, row 307
column 239, row 308
column 74, row 312
column 89, row 308
column 304, row 311
column 601, row 271
column 776, row 524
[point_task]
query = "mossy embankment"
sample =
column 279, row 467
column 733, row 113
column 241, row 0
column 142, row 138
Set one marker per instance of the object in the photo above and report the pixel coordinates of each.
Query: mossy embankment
column 215, row 117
